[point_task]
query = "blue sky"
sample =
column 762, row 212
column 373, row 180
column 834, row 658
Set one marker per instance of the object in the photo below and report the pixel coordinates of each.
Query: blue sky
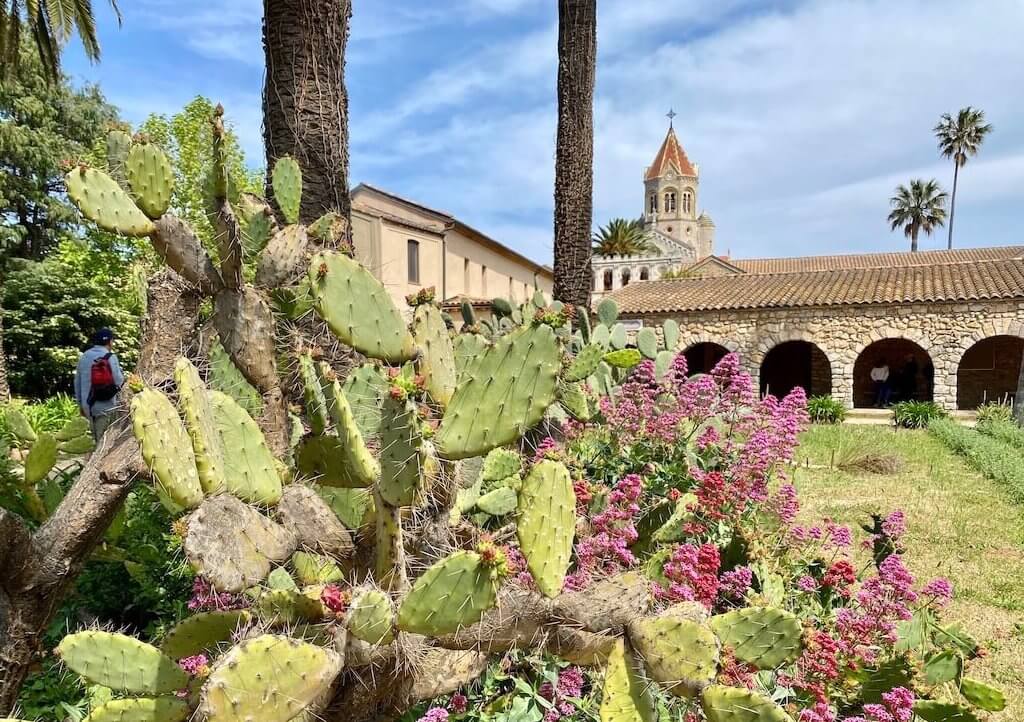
column 803, row 114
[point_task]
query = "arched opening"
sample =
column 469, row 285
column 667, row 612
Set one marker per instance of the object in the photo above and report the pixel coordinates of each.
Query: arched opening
column 654, row 203
column 906, row 368
column 608, row 280
column 687, row 201
column 670, row 201
column 796, row 363
column 645, row 274
column 988, row 371
column 626, row 275
column 702, row 357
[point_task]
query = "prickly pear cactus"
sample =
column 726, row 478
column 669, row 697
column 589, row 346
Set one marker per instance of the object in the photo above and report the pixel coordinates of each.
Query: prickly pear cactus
column 682, row 654
column 504, row 392
column 287, row 183
column 250, row 470
column 371, row 617
column 437, row 356
column 270, row 678
column 358, row 309
column 41, row 459
column 365, row 388
column 468, row 347
column 627, row 696
column 150, row 177
column 584, row 363
column 670, row 331
column 625, row 358
column 353, row 464
column 194, row 400
column 400, row 460
column 105, row 203
column 547, row 524
column 315, row 569
column 166, row 448
column 647, row 342
column 203, row 632
column 732, row 704
column 118, row 145
column 142, row 709
column 283, row 258
column 761, row 636
column 121, row 662
column 608, row 312
column 313, row 392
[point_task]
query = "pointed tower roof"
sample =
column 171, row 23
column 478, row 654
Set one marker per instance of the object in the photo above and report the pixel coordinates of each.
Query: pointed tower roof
column 671, row 155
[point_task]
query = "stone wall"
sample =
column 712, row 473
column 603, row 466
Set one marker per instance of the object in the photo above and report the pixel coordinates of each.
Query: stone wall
column 945, row 332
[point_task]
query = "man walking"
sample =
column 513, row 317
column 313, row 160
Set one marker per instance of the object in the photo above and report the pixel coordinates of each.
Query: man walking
column 880, row 377
column 98, row 379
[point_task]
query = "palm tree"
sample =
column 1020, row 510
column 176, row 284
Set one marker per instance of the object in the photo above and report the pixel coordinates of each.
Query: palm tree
column 622, row 237
column 51, row 24
column 959, row 138
column 922, row 207
column 574, row 150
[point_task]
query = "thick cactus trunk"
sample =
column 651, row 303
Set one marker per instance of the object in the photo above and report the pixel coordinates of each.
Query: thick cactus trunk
column 574, row 153
column 305, row 102
column 5, row 388
column 36, row 569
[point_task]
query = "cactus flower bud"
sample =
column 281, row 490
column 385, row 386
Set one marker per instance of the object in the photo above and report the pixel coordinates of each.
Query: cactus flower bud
column 135, row 383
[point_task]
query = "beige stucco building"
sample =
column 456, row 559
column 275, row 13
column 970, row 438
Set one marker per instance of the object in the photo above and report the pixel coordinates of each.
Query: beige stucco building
column 409, row 246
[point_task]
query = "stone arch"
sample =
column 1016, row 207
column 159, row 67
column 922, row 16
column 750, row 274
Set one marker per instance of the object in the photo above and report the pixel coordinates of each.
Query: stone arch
column 989, row 371
column 704, row 352
column 626, row 277
column 645, row 273
column 911, row 364
column 795, row 363
column 608, row 278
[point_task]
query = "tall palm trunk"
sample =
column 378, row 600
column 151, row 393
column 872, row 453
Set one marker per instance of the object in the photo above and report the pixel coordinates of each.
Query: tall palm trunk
column 952, row 203
column 574, row 153
column 305, row 103
column 5, row 388
column 913, row 239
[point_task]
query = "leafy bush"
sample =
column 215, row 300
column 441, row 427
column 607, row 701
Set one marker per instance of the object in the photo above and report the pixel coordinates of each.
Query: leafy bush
column 990, row 456
column 1006, row 431
column 825, row 410
column 994, row 411
column 917, row 414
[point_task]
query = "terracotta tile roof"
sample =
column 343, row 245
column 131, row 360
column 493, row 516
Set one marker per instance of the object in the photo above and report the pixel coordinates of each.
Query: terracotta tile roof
column 951, row 282
column 671, row 154
column 876, row 260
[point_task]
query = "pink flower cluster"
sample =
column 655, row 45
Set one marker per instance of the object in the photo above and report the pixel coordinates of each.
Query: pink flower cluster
column 206, row 598
column 897, row 706
column 606, row 550
column 569, row 686
column 692, row 572
column 435, row 714
column 879, row 605
column 734, row 584
column 195, row 666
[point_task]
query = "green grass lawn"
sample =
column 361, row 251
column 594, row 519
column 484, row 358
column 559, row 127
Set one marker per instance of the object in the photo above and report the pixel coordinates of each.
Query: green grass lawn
column 959, row 525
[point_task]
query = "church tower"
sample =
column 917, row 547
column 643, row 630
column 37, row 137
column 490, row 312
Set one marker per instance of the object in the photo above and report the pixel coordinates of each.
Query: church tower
column 671, row 185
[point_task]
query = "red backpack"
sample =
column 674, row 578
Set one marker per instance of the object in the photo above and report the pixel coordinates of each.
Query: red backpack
column 101, row 380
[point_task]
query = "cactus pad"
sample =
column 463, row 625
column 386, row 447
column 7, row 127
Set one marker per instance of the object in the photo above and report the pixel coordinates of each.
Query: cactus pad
column 313, row 522
column 468, row 346
column 607, row 312
column 315, row 569
column 762, row 636
column 19, row 425
column 203, row 631
column 283, row 257
column 142, row 709
column 313, row 392
column 498, row 502
column 105, row 203
column 353, row 464
column 194, row 400
column 733, row 704
column 626, row 694
column 371, row 617
column 437, row 356
column 166, row 448
column 584, row 364
column 506, row 390
column 400, row 443
column 574, row 400
column 358, row 309
column 233, row 545
column 287, row 184
column 364, row 388
column 547, row 524
column 647, row 342
column 453, row 593
column 150, row 177
column 501, row 464
column 670, row 330
column 180, row 248
column 250, row 470
column 982, row 696
column 118, row 145
column 681, row 654
column 353, row 507
column 935, row 711
column 662, row 363
column 618, row 336
column 41, row 459
column 270, row 678
column 245, row 323
column 121, row 662
column 625, row 358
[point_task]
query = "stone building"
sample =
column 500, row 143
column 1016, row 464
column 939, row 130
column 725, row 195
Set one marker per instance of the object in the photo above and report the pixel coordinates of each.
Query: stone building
column 409, row 246
column 676, row 229
column 949, row 324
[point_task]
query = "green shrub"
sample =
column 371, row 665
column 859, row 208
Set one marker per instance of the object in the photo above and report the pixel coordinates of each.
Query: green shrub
column 917, row 414
column 1006, row 431
column 825, row 410
column 994, row 411
column 991, row 457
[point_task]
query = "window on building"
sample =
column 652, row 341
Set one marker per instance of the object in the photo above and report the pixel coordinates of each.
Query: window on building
column 608, row 280
column 483, row 281
column 510, row 296
column 465, row 276
column 654, row 203
column 626, row 275
column 670, row 202
column 526, row 291
column 413, row 248
column 687, row 202
column 645, row 274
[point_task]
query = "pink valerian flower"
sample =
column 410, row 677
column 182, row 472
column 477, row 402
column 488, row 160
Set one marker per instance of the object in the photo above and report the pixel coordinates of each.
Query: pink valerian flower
column 839, row 577
column 734, row 673
column 894, row 526
column 692, row 572
column 807, row 583
column 818, row 665
column 678, row 373
column 785, row 504
column 435, row 714
column 939, row 591
column 196, row 666
column 839, row 536
column 879, row 605
column 734, row 584
column 547, row 449
column 570, row 684
column 736, row 385
column 820, row 712
column 614, row 530
column 459, row 703
column 517, row 568
column 708, row 437
column 897, row 706
column 206, row 598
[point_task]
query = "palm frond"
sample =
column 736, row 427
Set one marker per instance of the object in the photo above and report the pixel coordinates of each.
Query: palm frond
column 86, row 23
column 61, row 16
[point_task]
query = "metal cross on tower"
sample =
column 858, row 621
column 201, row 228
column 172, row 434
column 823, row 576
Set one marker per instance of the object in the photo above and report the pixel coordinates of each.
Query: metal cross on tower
column 671, row 116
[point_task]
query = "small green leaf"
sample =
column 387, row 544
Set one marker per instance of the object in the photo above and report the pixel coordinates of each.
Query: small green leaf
column 982, row 695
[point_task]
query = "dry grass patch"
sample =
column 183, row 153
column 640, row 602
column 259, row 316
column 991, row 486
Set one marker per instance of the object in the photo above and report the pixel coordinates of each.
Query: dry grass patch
column 959, row 525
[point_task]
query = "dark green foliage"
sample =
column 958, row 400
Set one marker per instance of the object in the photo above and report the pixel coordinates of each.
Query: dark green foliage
column 825, row 410
column 994, row 458
column 1006, row 430
column 995, row 411
column 916, row 414
column 52, row 307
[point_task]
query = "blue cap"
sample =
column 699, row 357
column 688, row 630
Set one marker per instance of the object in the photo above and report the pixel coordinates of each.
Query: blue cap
column 102, row 337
